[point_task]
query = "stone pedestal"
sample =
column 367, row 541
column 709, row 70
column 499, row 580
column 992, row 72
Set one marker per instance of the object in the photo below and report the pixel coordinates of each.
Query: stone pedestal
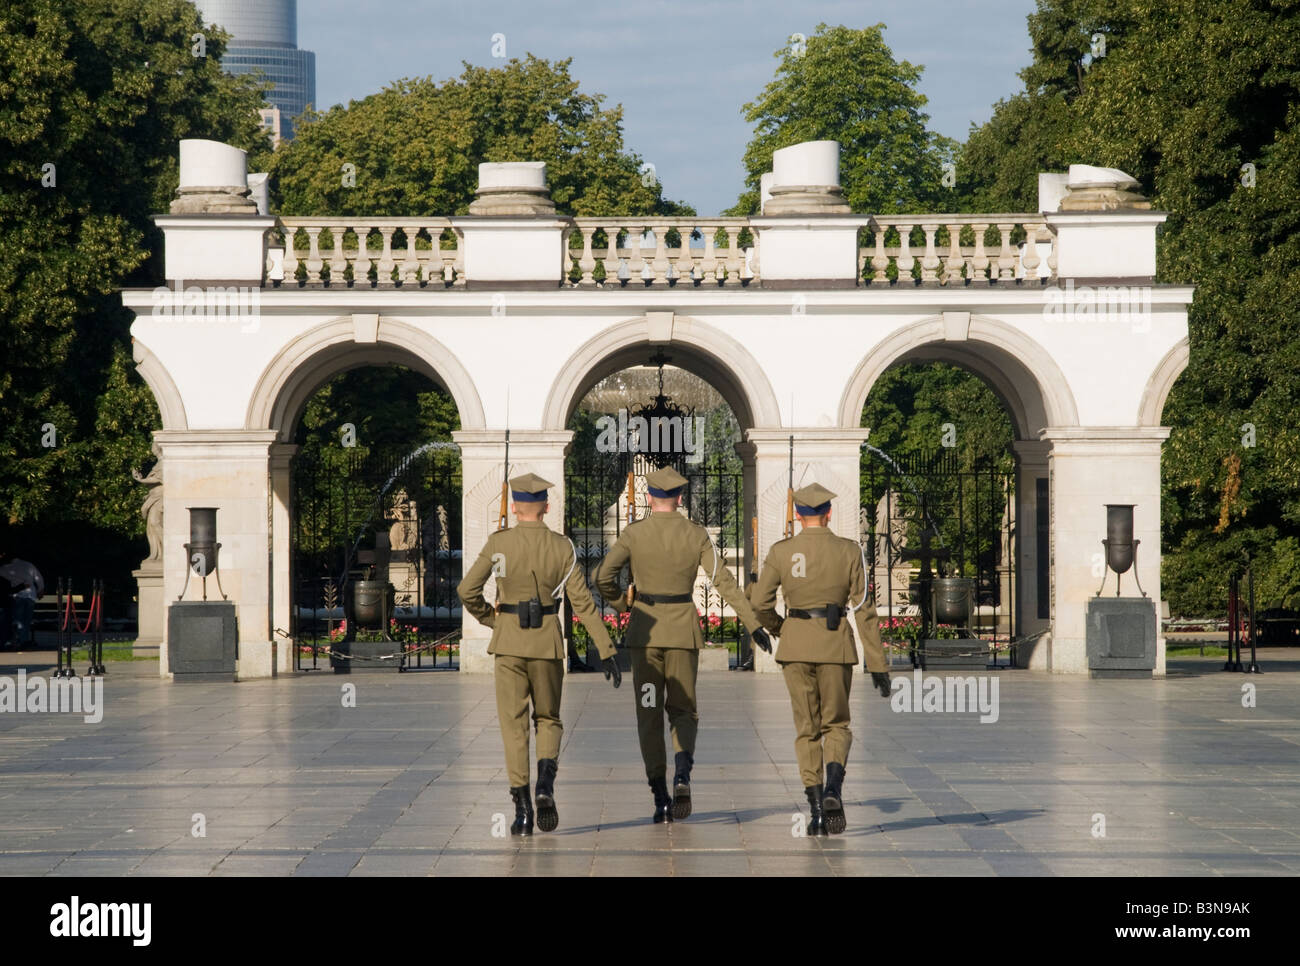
column 150, row 606
column 201, row 640
column 1121, row 637
column 962, row 653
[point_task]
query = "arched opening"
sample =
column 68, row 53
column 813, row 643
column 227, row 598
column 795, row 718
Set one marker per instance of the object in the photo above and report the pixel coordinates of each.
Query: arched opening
column 938, row 502
column 644, row 406
column 955, row 517
column 372, row 499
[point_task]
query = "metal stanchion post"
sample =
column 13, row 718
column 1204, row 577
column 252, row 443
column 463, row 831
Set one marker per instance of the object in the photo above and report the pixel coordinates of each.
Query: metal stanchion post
column 1253, row 667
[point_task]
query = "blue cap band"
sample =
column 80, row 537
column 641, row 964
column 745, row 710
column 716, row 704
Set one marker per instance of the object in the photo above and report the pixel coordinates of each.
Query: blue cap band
column 662, row 494
column 813, row 511
column 521, row 497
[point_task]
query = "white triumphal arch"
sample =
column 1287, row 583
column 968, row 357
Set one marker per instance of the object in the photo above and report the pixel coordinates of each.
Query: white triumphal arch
column 792, row 316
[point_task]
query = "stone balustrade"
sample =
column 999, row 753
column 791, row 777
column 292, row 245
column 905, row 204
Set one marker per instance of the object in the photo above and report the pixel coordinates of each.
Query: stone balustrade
column 957, row 248
column 637, row 250
column 942, row 249
column 427, row 250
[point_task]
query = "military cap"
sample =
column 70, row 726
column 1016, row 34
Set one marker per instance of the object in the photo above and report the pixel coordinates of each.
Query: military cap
column 529, row 488
column 666, row 482
column 812, row 500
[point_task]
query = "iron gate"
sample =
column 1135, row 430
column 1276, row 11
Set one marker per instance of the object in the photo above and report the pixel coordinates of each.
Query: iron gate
column 382, row 516
column 597, row 508
column 927, row 514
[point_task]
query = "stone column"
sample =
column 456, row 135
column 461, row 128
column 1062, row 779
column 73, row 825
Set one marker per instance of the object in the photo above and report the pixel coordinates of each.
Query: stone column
column 229, row 470
column 482, row 467
column 1031, row 467
column 746, row 452
column 281, row 465
column 828, row 455
column 151, row 609
column 1090, row 467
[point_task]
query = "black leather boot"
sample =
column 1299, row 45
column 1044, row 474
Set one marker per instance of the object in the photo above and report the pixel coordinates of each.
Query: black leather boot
column 832, row 800
column 523, row 811
column 663, row 801
column 816, row 820
column 547, row 817
column 682, row 786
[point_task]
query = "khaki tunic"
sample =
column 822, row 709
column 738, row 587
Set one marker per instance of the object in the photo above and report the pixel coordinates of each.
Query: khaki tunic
column 521, row 553
column 665, row 551
column 530, row 560
column 815, row 568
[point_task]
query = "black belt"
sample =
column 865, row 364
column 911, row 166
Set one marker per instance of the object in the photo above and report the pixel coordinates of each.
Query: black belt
column 808, row 613
column 514, row 608
column 665, row 598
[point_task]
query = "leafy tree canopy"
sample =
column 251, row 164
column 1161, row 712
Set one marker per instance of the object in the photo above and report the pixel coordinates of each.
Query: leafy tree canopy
column 1200, row 101
column 845, row 85
column 417, row 144
column 94, row 96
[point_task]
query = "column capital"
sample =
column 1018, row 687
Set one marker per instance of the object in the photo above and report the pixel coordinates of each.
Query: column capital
column 527, row 443
column 201, row 443
column 1031, row 451
column 810, row 442
column 282, row 454
column 1068, row 440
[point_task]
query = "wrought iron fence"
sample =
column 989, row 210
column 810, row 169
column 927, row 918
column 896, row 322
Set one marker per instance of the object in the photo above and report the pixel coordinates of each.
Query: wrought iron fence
column 379, row 516
column 929, row 516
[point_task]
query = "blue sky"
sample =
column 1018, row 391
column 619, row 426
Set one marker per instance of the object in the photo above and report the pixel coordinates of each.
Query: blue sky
column 682, row 69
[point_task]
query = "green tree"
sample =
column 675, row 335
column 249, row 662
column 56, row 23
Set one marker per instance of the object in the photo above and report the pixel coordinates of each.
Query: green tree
column 417, row 144
column 1200, row 101
column 94, row 96
column 845, row 85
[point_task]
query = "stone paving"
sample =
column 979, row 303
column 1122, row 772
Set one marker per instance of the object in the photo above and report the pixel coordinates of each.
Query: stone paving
column 410, row 781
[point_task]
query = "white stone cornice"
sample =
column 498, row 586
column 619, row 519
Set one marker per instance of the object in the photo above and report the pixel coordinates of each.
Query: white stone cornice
column 1107, row 218
column 1103, row 433
column 413, row 300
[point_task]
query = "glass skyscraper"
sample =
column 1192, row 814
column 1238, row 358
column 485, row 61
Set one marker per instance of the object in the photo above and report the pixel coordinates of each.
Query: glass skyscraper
column 264, row 36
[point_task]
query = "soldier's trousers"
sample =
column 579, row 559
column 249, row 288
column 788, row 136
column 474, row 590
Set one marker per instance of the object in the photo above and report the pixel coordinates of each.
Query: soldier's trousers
column 819, row 697
column 519, row 680
column 670, row 673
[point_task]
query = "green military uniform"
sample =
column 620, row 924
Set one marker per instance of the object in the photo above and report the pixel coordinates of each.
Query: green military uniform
column 665, row 550
column 816, row 571
column 530, row 561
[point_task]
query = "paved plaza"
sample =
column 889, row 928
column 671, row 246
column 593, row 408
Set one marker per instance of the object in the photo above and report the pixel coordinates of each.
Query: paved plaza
column 287, row 781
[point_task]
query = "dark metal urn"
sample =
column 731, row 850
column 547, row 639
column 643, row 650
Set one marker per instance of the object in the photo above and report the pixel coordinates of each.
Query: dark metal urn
column 1119, row 536
column 954, row 599
column 1121, row 547
column 201, row 552
column 368, row 600
column 203, row 544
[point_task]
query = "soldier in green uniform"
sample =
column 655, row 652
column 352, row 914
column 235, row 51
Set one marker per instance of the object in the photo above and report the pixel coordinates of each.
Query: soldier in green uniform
column 823, row 579
column 665, row 550
column 533, row 566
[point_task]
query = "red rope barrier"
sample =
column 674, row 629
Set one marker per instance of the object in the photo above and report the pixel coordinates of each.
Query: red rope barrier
column 90, row 614
column 70, row 612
